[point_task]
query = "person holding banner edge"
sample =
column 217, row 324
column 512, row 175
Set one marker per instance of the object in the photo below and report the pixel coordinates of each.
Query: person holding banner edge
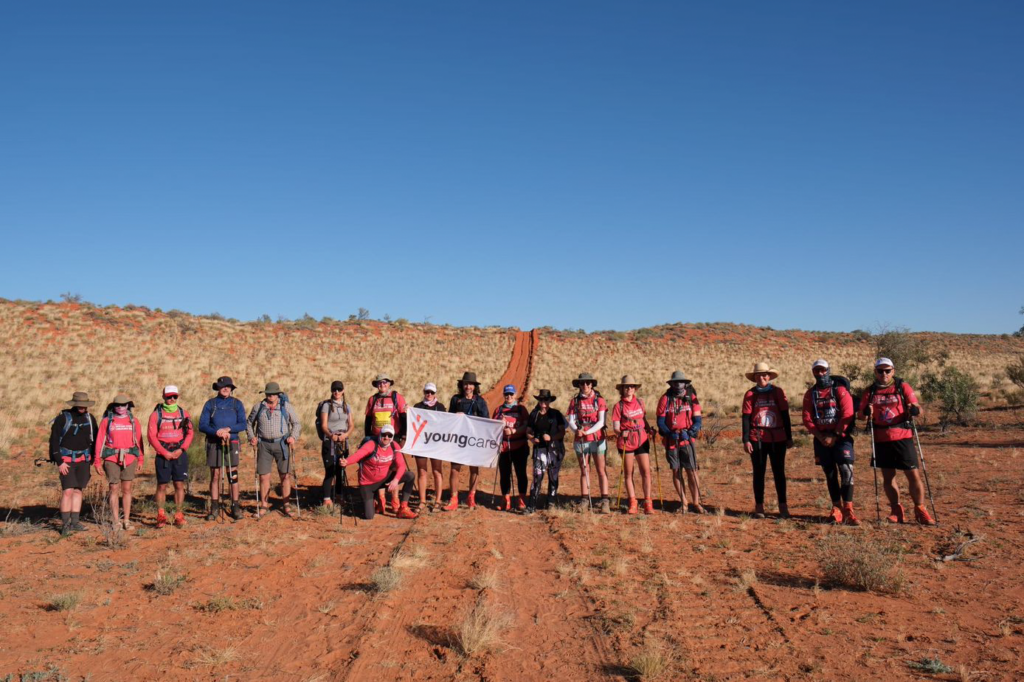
column 425, row 465
column 467, row 401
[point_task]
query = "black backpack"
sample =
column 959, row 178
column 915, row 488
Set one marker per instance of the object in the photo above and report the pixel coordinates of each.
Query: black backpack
column 840, row 380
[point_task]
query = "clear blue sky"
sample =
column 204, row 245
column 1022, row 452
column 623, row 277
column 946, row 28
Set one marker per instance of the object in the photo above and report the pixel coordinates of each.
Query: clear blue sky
column 793, row 164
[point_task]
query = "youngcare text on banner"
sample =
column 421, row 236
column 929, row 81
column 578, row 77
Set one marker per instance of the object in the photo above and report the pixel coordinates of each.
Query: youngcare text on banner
column 457, row 437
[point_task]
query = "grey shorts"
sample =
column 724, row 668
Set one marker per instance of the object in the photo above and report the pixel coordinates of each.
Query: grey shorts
column 213, row 454
column 682, row 455
column 268, row 453
column 117, row 473
column 589, row 450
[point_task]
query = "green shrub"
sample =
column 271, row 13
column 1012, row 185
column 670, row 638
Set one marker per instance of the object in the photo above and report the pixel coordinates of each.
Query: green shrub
column 956, row 393
column 854, row 561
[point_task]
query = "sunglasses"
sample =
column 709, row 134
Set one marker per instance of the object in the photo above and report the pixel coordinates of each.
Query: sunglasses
column 385, row 435
column 819, row 370
column 170, row 397
column 429, row 392
column 337, row 390
column 882, row 370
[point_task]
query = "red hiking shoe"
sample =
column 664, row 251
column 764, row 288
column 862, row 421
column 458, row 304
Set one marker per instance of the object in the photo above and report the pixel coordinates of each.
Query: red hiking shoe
column 648, row 506
column 179, row 520
column 471, row 499
column 378, row 506
column 395, row 506
column 848, row 518
column 896, row 514
column 632, row 506
column 520, row 503
column 922, row 516
column 836, row 516
column 505, row 504
column 453, row 504
column 161, row 518
column 404, row 512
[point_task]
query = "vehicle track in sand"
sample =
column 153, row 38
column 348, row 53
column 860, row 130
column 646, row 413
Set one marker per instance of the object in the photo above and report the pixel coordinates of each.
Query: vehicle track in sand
column 519, row 371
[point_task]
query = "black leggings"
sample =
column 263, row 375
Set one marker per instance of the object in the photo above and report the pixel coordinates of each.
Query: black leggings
column 546, row 461
column 839, row 478
column 368, row 490
column 506, row 461
column 331, row 468
column 762, row 454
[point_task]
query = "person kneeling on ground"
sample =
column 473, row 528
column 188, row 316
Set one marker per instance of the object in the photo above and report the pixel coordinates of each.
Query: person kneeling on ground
column 274, row 424
column 383, row 466
column 120, row 450
column 828, row 417
column 890, row 405
column 170, row 434
column 72, row 440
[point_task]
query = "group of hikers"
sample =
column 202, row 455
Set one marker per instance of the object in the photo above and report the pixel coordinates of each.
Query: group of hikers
column 116, row 446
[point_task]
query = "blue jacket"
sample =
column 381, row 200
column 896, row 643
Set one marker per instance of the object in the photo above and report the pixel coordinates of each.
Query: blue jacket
column 219, row 413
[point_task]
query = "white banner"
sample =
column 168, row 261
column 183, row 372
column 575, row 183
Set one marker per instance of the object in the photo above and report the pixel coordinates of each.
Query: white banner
column 457, row 437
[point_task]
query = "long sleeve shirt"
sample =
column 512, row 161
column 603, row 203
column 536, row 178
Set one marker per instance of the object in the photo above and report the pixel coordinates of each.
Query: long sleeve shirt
column 377, row 462
column 220, row 413
column 273, row 423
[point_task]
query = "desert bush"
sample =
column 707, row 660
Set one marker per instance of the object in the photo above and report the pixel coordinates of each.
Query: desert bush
column 956, row 393
column 385, row 579
column 65, row 601
column 1015, row 372
column 857, row 562
column 482, row 629
column 907, row 351
column 654, row 662
column 712, row 425
column 166, row 581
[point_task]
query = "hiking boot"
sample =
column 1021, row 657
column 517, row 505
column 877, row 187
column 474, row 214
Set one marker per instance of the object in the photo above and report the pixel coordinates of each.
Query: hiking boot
column 128, row 526
column 922, row 516
column 529, row 510
column 76, row 526
column 835, row 517
column 236, row 510
column 848, row 518
column 395, row 506
column 758, row 512
column 161, row 518
column 896, row 514
column 453, row 503
column 520, row 503
column 179, row 520
column 648, row 506
column 784, row 511
column 65, row 529
column 214, row 510
column 505, row 504
column 471, row 499
column 404, row 512
column 378, row 505
column 606, row 505
column 632, row 506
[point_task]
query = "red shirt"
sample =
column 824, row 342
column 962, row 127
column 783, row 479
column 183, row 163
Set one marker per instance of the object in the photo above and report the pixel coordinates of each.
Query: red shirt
column 383, row 410
column 515, row 418
column 168, row 430
column 631, row 422
column 827, row 411
column 587, row 410
column 888, row 409
column 765, row 410
column 120, row 438
column 679, row 414
column 377, row 462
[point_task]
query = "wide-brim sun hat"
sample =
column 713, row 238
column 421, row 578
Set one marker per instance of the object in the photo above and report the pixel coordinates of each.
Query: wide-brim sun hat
column 381, row 377
column 272, row 388
column 122, row 399
column 678, row 375
column 761, row 368
column 628, row 380
column 584, row 376
column 545, row 395
column 469, row 378
column 79, row 399
column 222, row 382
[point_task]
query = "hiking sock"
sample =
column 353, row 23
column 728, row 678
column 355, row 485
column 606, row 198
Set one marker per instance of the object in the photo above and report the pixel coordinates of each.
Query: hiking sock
column 74, row 517
column 65, row 517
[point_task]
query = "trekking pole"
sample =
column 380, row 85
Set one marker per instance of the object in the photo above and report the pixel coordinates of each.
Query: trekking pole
column 336, row 483
column 874, row 468
column 657, row 469
column 256, row 468
column 586, row 475
column 222, row 514
column 295, row 478
column 618, row 488
column 494, row 482
column 924, row 469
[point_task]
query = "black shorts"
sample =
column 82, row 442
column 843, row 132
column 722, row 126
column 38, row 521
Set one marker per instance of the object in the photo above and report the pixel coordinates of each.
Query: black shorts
column 682, row 454
column 78, row 475
column 841, row 452
column 644, row 449
column 168, row 470
column 213, row 454
column 898, row 454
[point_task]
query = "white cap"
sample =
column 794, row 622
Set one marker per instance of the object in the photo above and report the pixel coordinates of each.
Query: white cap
column 171, row 390
column 820, row 362
column 884, row 362
column 387, row 428
column 430, row 387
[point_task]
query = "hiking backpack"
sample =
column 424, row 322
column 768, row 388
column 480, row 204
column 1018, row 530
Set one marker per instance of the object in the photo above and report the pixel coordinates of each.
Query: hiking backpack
column 898, row 383
column 282, row 400
column 321, row 434
column 838, row 380
column 186, row 424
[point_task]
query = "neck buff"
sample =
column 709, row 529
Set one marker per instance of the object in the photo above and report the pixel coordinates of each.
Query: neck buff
column 758, row 389
column 169, row 408
column 679, row 390
column 120, row 410
column 823, row 380
column 431, row 402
